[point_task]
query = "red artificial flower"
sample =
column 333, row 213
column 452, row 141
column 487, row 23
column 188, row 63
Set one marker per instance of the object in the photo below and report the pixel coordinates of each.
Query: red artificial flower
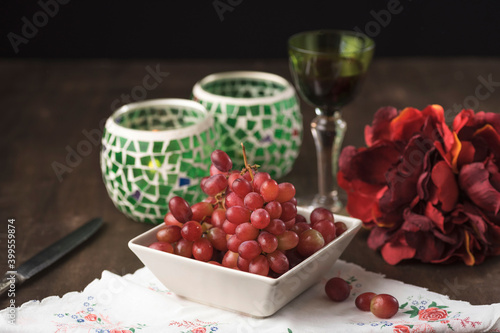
column 425, row 191
column 432, row 314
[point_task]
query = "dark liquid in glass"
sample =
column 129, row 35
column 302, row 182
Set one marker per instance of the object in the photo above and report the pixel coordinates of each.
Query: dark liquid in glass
column 329, row 83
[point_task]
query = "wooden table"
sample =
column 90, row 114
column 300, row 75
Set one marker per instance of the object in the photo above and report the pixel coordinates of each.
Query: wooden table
column 47, row 105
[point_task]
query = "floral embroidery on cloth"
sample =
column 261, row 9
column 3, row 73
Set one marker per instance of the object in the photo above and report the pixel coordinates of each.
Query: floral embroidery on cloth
column 196, row 326
column 94, row 322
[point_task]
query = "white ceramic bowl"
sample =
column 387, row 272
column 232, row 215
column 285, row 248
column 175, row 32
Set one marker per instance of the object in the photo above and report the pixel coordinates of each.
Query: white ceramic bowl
column 234, row 290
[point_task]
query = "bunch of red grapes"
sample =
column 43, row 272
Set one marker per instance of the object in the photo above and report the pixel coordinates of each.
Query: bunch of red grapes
column 248, row 222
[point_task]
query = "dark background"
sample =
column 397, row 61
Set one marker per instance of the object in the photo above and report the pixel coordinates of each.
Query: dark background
column 245, row 29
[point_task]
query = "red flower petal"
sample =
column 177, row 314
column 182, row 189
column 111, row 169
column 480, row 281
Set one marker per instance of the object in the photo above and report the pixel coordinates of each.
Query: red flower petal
column 447, row 189
column 406, row 124
column 397, row 249
column 368, row 165
column 362, row 198
column 491, row 137
column 435, row 216
column 466, row 155
column 462, row 119
column 474, row 180
column 380, row 129
column 378, row 237
column 435, row 127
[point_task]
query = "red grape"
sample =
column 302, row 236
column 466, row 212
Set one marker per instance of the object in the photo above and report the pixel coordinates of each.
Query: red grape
column 169, row 234
column 184, row 248
column 288, row 240
column 249, row 249
column 278, row 262
column 310, row 241
column 276, row 227
column 246, row 231
column 363, row 301
column 267, row 241
column 300, row 218
column 214, row 184
column 327, row 230
column 180, row 209
column 201, row 210
column 218, row 217
column 221, row 160
column 228, row 227
column 202, row 249
column 384, row 306
column 340, row 228
column 259, row 179
column 241, row 187
column 238, row 214
column 290, row 223
column 217, row 237
column 259, row 266
column 253, row 201
column 215, row 171
column 274, row 209
column 232, row 199
column 233, row 175
column 319, row 214
column 162, row 246
column 289, row 211
column 243, row 264
column 191, row 231
column 233, row 243
column 260, row 218
column 286, row 192
column 269, row 190
column 337, row 289
column 298, row 228
column 170, row 220
column 230, row 259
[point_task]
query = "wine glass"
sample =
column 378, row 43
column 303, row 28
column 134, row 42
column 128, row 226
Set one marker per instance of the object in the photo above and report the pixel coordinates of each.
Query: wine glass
column 328, row 67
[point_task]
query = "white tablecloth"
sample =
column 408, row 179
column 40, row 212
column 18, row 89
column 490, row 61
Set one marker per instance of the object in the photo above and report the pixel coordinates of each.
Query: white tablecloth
column 140, row 303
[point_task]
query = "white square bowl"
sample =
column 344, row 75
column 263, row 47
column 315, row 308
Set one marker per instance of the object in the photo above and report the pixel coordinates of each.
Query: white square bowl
column 233, row 290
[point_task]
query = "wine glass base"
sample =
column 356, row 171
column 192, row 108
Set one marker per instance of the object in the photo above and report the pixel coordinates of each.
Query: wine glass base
column 331, row 202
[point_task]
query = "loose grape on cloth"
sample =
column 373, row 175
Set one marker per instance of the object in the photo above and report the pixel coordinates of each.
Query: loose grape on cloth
column 140, row 303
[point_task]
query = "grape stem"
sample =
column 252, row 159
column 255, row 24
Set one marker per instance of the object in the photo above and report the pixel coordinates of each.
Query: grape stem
column 247, row 167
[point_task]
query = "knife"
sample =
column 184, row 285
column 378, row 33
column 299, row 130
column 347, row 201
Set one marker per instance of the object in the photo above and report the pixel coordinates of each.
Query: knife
column 49, row 255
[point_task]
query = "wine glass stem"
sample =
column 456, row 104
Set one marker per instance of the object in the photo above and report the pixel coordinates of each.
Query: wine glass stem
column 328, row 133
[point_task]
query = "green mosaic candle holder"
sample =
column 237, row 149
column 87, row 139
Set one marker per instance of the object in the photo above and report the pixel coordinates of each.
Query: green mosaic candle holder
column 259, row 109
column 154, row 150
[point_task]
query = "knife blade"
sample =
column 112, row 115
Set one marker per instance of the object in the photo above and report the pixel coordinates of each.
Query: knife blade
column 49, row 255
